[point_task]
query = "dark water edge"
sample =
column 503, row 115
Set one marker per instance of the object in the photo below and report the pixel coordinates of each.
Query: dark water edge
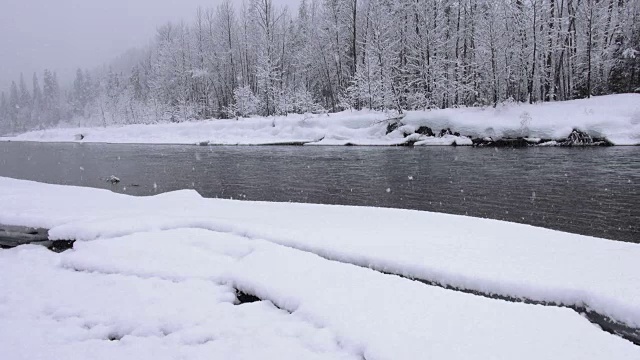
column 591, row 191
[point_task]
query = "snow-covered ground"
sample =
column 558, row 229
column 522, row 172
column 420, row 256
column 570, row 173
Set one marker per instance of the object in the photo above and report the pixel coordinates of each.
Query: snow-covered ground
column 616, row 117
column 157, row 276
column 53, row 307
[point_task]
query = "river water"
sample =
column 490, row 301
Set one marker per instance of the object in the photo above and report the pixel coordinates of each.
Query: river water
column 590, row 191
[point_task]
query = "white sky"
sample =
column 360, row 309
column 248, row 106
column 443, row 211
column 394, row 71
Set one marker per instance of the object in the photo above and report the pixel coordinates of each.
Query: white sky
column 66, row 34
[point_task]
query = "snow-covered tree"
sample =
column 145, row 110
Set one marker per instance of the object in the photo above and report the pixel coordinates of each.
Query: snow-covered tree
column 51, row 99
column 245, row 103
column 4, row 113
column 37, row 106
column 14, row 106
column 254, row 57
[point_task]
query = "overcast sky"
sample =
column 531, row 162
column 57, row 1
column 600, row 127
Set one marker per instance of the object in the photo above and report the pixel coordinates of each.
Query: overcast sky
column 66, row 34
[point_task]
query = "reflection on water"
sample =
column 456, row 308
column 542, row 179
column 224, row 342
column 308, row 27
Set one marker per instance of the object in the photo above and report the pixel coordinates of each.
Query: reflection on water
column 591, row 191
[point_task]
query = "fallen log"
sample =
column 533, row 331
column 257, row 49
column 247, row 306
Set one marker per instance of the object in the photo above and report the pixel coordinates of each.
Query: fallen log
column 12, row 236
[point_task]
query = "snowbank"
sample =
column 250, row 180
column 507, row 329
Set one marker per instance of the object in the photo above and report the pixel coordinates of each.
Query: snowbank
column 489, row 256
column 615, row 117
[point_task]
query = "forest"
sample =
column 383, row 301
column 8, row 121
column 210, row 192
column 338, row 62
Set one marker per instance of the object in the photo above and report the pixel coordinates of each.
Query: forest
column 254, row 58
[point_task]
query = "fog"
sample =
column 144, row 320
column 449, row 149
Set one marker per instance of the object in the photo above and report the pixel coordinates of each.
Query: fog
column 66, row 34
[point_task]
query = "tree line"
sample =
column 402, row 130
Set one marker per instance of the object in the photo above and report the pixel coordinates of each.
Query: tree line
column 255, row 58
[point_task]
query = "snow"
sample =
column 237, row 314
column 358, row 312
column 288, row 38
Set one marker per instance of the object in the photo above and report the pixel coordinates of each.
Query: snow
column 158, row 273
column 616, row 117
column 168, row 294
column 460, row 251
column 50, row 311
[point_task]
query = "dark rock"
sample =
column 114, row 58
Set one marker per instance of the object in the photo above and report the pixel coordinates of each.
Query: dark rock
column 425, row 130
column 579, row 138
column 576, row 138
column 114, row 337
column 113, row 179
column 513, row 143
column 287, row 143
column 61, row 245
column 244, row 298
column 456, row 133
column 444, row 132
column 407, row 143
column 507, row 142
column 479, row 141
column 406, row 133
column 393, row 126
column 79, row 137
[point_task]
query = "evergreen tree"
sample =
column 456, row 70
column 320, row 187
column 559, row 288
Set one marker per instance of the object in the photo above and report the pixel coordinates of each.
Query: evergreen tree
column 14, row 106
column 37, row 105
column 79, row 95
column 4, row 113
column 24, row 105
column 51, row 99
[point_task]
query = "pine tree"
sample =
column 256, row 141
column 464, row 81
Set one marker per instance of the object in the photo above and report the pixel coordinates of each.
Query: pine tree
column 14, row 106
column 4, row 113
column 24, row 105
column 51, row 99
column 79, row 96
column 37, row 106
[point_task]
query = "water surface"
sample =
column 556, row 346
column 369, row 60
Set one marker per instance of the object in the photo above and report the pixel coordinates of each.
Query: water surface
column 590, row 191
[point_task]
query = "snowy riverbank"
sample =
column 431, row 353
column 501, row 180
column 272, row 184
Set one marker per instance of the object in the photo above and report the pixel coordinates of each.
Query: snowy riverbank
column 615, row 118
column 155, row 277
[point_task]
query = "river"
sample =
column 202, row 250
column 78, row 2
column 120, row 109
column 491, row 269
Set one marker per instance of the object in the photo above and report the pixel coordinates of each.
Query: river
column 590, row 191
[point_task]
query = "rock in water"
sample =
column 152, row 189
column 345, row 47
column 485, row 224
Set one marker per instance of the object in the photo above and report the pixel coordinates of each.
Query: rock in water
column 579, row 138
column 513, row 143
column 113, row 179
